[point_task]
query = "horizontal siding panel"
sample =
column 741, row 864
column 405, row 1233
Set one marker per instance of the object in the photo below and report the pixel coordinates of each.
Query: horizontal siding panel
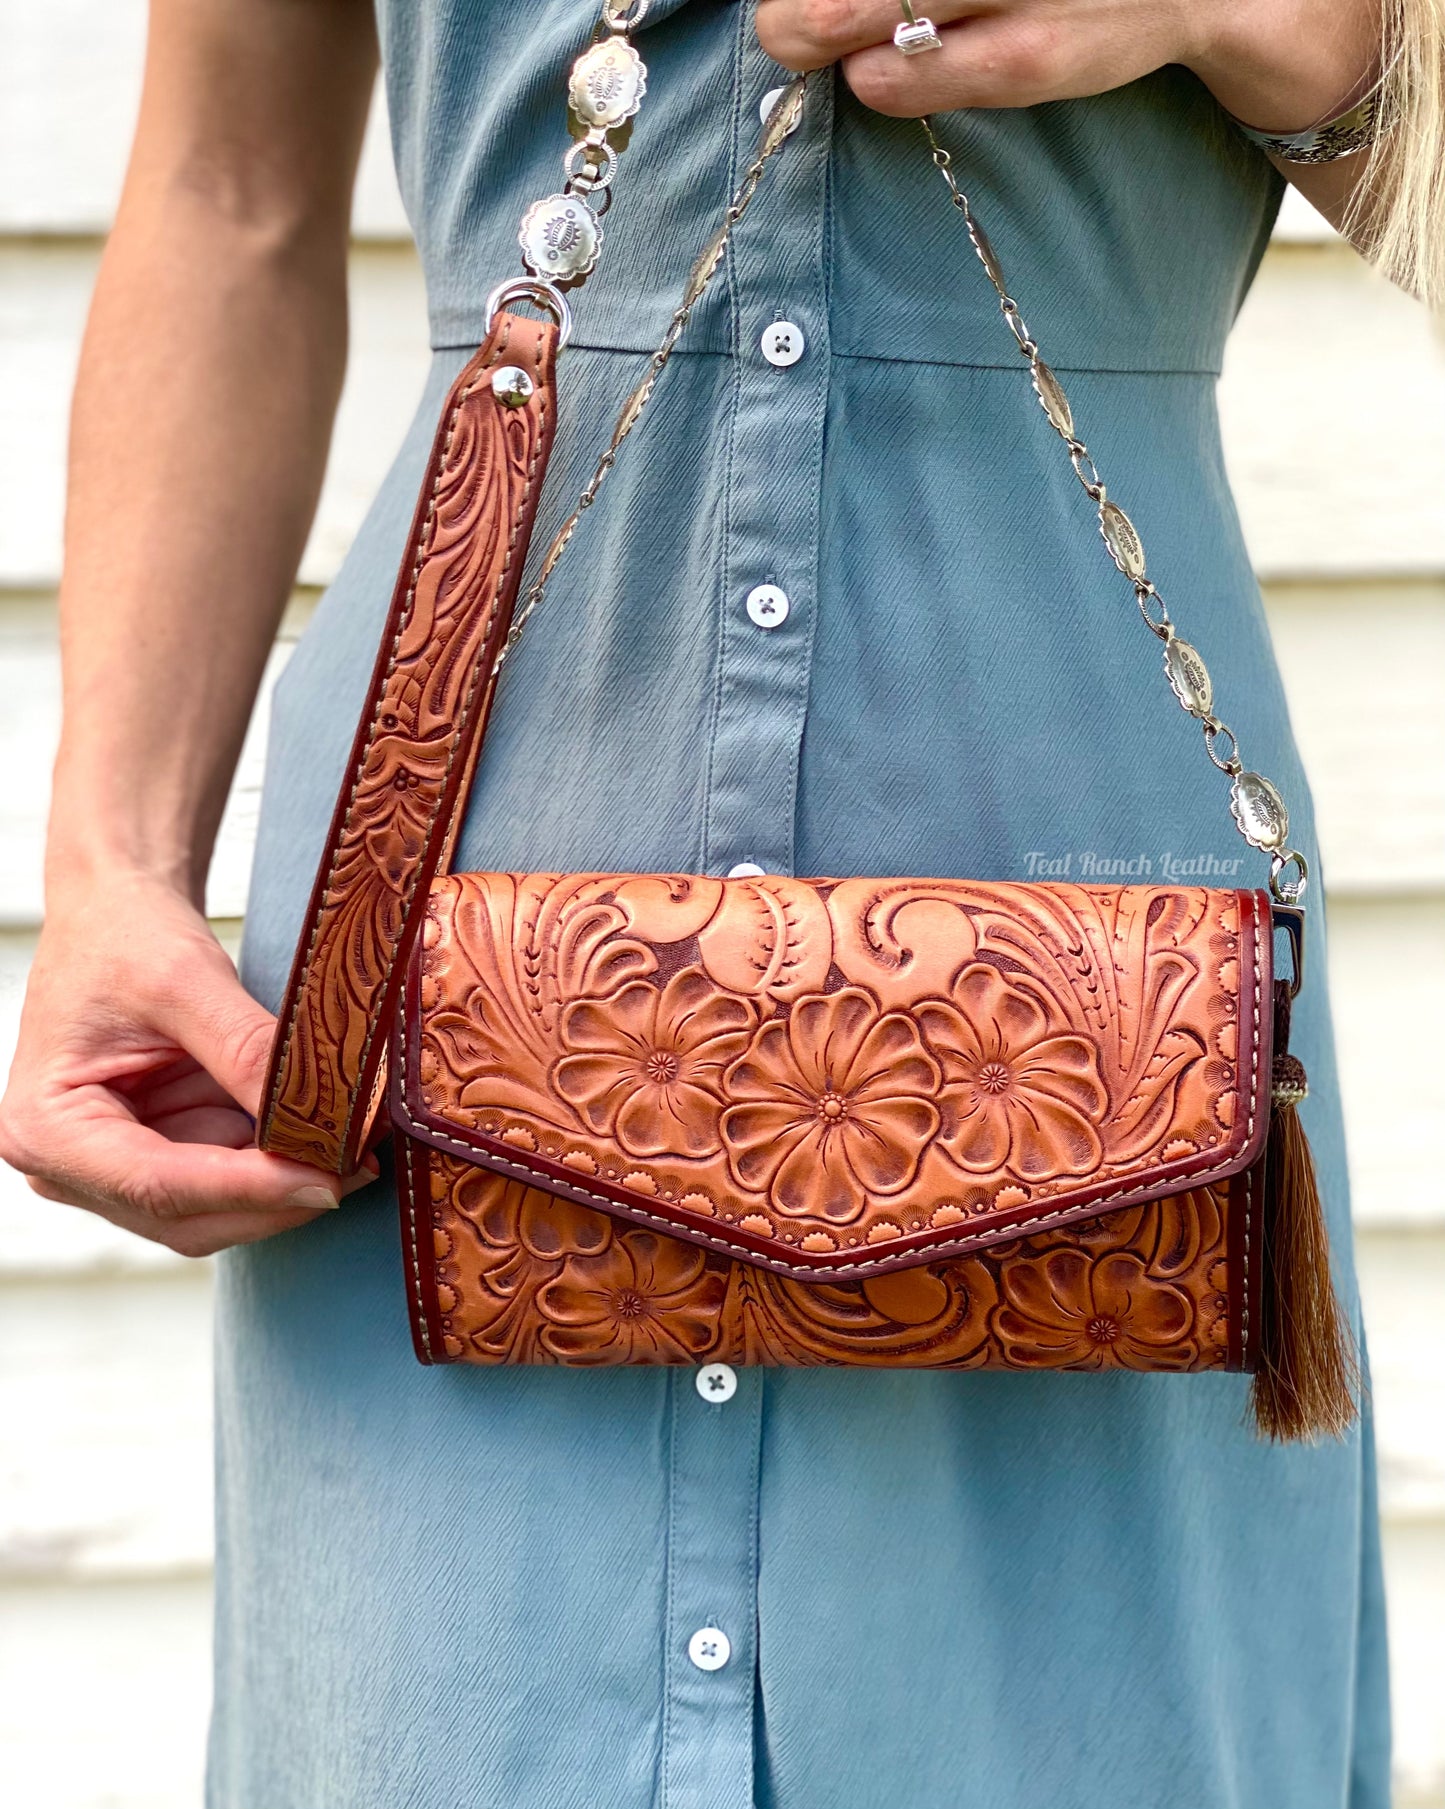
column 44, row 293
column 1387, row 972
column 30, row 668
column 105, row 1396
column 69, row 87
column 104, row 1694
column 29, row 727
column 1415, row 1589
column 1333, row 407
column 1364, row 670
column 1402, row 1285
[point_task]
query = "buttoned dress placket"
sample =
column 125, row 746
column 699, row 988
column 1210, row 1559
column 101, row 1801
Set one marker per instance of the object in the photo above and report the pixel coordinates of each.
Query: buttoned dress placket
column 766, row 603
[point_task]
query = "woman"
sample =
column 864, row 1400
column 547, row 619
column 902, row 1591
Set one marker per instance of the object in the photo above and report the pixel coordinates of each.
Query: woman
column 483, row 1587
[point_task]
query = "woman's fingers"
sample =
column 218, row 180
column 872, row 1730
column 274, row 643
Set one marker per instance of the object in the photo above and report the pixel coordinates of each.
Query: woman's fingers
column 1021, row 56
column 807, row 34
column 108, row 1162
column 992, row 53
column 207, row 1012
column 222, row 1124
column 179, row 1087
column 1010, row 61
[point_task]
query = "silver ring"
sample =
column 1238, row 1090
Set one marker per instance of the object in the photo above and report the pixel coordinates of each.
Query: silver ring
column 1288, row 891
column 624, row 15
column 606, row 158
column 541, row 295
column 913, row 34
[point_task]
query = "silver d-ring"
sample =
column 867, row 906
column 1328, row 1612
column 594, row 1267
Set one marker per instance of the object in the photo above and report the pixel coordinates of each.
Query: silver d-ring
column 541, row 295
column 1288, row 891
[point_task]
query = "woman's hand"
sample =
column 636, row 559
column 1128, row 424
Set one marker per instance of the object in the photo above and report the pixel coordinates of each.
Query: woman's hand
column 138, row 1076
column 209, row 375
column 1279, row 64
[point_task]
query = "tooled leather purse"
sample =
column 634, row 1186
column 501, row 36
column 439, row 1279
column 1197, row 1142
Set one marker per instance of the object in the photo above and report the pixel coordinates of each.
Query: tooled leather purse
column 662, row 1118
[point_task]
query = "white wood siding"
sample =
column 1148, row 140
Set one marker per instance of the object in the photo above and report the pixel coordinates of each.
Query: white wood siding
column 1334, row 406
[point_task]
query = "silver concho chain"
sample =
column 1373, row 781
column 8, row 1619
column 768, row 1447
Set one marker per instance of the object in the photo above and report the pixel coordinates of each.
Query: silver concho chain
column 606, row 87
column 1255, row 803
column 561, row 235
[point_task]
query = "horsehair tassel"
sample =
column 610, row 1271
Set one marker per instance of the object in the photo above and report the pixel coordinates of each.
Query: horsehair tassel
column 1307, row 1381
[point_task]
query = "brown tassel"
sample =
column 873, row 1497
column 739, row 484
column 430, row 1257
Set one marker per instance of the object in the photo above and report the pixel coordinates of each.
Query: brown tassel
column 1306, row 1385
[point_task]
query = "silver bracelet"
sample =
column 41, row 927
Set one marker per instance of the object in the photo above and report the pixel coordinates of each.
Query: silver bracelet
column 1356, row 129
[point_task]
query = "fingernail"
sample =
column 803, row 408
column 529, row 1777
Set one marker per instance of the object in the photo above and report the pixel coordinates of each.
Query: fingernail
column 313, row 1199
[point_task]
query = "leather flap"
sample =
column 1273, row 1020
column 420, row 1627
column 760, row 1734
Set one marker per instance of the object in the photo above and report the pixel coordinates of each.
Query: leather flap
column 839, row 1076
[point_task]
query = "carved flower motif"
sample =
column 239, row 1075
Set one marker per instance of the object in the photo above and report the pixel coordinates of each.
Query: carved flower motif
column 1068, row 1309
column 548, row 1227
column 646, row 1065
column 645, row 1299
column 1016, row 1095
column 833, row 1103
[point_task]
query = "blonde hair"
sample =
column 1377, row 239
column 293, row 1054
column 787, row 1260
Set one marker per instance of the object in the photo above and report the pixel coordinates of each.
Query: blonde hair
column 1397, row 215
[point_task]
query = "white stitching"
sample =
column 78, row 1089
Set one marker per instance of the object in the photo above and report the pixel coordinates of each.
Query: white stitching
column 407, row 1157
column 1244, row 1289
column 820, row 1271
column 1249, row 1173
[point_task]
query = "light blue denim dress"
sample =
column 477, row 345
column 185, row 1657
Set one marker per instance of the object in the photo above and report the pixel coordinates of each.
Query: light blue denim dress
column 476, row 1589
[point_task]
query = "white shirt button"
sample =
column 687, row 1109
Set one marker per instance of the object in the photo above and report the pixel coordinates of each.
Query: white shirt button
column 743, row 870
column 783, row 343
column 719, row 1381
column 709, row 1648
column 767, row 605
column 768, row 102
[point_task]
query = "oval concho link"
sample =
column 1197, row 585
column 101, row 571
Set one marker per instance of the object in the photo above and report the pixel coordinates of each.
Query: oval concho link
column 983, row 245
column 607, row 84
column 1259, row 810
column 1188, row 677
column 783, row 120
column 1122, row 539
column 1050, row 393
column 560, row 238
column 632, row 408
column 705, row 267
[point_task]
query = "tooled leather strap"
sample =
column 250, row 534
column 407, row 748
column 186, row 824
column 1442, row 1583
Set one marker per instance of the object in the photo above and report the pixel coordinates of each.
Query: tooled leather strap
column 415, row 748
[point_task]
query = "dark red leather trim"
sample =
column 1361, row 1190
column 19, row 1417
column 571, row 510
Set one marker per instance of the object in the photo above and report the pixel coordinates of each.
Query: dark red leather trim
column 1248, row 1200
column 413, row 1196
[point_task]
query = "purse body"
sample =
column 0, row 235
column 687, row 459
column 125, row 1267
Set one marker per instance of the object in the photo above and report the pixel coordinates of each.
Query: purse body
column 903, row 1123
column 660, row 1118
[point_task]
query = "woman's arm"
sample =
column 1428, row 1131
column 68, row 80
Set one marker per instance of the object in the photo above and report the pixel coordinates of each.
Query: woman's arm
column 208, row 381
column 1281, row 65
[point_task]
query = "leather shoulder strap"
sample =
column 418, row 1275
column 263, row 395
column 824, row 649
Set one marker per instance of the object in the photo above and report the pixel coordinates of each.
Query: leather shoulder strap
column 414, row 752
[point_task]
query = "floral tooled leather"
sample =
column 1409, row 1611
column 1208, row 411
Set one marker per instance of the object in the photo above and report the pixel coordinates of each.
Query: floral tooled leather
column 841, row 1078
column 504, row 1273
column 411, row 760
